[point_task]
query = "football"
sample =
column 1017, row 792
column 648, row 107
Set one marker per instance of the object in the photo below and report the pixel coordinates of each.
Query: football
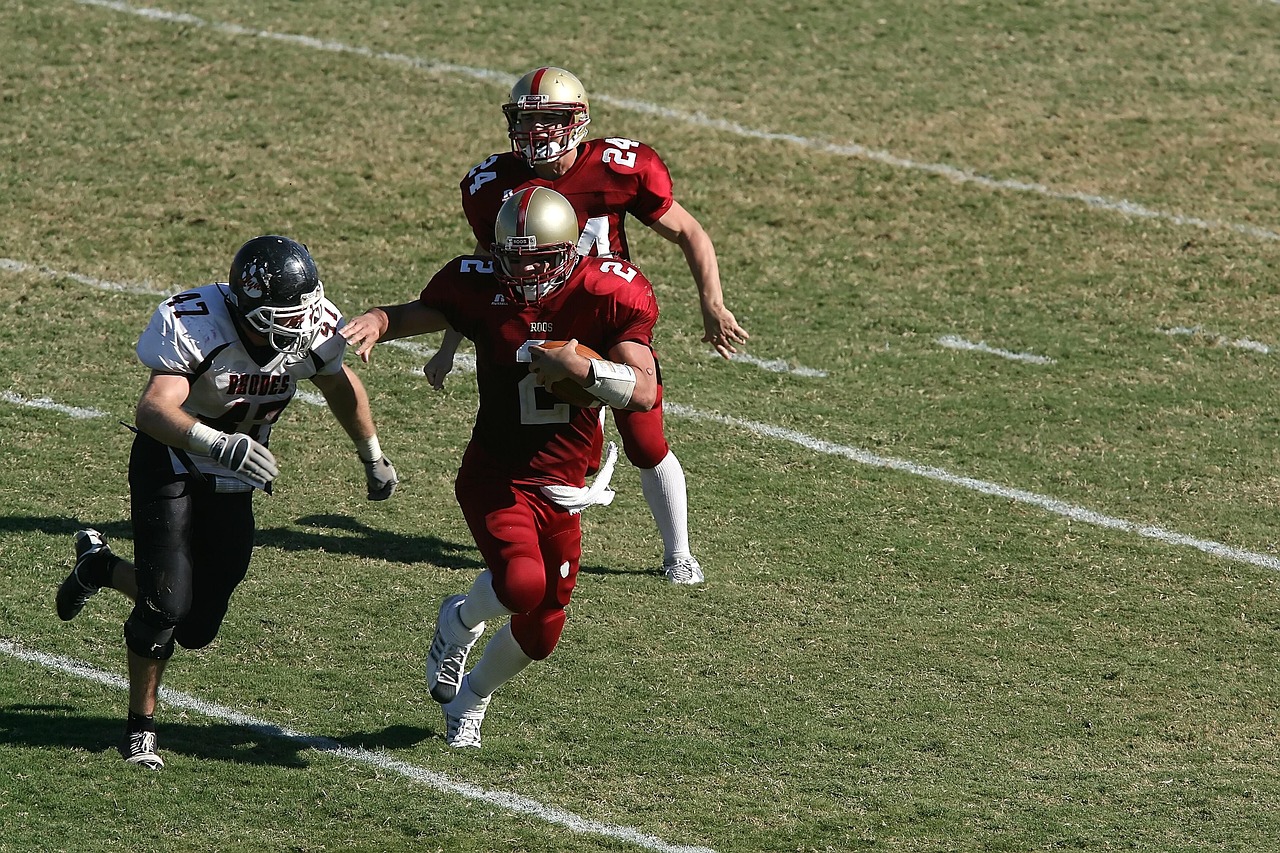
column 568, row 390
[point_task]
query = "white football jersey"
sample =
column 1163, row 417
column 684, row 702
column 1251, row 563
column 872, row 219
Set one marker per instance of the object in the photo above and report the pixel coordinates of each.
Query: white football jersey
column 234, row 387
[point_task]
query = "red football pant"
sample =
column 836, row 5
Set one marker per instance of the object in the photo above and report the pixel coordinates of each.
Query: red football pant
column 643, row 438
column 532, row 547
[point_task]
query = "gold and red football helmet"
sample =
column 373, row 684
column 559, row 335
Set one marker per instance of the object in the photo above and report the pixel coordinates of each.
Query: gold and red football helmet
column 535, row 243
column 547, row 114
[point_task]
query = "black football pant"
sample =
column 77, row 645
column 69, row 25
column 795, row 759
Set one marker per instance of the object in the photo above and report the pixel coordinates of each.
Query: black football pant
column 192, row 547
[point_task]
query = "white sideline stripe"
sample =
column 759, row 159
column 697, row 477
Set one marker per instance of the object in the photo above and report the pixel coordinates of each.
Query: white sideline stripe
column 777, row 365
column 953, row 342
column 18, row 266
column 700, row 120
column 504, row 800
column 1220, row 340
column 311, row 398
column 50, row 405
column 1053, row 505
column 462, row 362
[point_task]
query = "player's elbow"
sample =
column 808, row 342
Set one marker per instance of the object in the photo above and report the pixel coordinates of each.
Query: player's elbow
column 644, row 397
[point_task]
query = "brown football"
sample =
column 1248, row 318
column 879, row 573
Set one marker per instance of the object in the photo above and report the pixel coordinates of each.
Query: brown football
column 568, row 390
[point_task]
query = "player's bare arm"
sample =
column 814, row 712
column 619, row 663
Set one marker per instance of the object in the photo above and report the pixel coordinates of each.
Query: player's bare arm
column 630, row 371
column 159, row 413
column 349, row 402
column 720, row 327
column 390, row 322
column 347, row 399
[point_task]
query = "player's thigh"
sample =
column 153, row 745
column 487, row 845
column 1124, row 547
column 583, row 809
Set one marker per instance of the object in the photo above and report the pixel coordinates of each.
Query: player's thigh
column 505, row 529
column 222, row 544
column 560, row 542
column 161, row 510
column 222, row 541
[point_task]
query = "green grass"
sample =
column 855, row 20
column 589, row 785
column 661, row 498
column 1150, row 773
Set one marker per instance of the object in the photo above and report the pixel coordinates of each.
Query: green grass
column 880, row 660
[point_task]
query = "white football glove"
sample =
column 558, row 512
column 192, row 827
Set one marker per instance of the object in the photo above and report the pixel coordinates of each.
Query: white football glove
column 381, row 478
column 242, row 454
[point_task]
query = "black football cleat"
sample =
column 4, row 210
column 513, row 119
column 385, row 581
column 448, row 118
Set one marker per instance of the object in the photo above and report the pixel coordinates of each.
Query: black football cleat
column 74, row 592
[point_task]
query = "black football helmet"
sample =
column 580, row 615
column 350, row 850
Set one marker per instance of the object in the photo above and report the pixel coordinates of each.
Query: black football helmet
column 276, row 290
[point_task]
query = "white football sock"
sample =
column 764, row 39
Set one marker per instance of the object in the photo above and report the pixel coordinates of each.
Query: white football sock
column 664, row 490
column 503, row 660
column 481, row 604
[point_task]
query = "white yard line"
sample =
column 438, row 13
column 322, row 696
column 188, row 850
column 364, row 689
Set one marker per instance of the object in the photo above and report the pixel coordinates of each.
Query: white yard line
column 1053, row 505
column 119, row 287
column 954, row 342
column 49, row 405
column 698, row 119
column 775, row 365
column 504, row 800
column 1219, row 340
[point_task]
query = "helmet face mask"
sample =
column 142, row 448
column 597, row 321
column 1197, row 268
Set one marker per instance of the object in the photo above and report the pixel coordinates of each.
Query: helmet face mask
column 535, row 247
column 547, row 115
column 277, row 292
column 290, row 331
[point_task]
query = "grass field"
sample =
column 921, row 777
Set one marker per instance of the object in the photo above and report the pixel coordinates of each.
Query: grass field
column 987, row 511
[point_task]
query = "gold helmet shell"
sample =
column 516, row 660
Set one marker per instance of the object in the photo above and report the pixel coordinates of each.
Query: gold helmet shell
column 547, row 114
column 535, row 243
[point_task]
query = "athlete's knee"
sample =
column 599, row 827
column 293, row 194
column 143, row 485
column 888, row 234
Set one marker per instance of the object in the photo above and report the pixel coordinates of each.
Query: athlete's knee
column 538, row 632
column 523, row 585
column 149, row 633
column 643, row 439
column 196, row 636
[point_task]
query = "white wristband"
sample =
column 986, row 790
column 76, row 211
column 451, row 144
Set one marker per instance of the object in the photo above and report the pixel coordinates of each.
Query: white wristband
column 200, row 438
column 368, row 449
column 613, row 383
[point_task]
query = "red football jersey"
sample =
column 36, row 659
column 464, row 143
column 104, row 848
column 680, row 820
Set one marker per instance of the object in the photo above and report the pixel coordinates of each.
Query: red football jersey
column 609, row 179
column 521, row 431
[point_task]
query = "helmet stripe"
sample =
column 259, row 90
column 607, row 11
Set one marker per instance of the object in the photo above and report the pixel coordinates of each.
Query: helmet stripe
column 535, row 85
column 523, row 212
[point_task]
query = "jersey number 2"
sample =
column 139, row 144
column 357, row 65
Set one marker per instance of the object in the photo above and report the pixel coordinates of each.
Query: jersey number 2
column 537, row 405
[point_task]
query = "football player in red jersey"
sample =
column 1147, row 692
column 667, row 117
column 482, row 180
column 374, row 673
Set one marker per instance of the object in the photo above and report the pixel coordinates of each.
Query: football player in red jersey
column 225, row 361
column 604, row 180
column 522, row 481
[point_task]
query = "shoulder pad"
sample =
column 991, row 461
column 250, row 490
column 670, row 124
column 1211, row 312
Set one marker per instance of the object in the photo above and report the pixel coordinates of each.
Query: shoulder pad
column 623, row 156
column 605, row 276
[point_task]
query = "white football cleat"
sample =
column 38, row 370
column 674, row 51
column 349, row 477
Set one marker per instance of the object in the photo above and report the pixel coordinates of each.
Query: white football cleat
column 463, row 716
column 684, row 570
column 447, row 660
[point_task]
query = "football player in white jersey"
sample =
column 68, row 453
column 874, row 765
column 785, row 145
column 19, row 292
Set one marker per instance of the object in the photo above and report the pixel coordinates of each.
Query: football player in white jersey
column 225, row 361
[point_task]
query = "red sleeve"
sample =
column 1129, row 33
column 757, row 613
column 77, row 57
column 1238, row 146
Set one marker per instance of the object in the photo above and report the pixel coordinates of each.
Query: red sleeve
column 637, row 312
column 483, row 189
column 630, row 310
column 653, row 195
column 455, row 289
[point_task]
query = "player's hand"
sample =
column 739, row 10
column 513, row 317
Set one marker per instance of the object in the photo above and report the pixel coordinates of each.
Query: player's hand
column 364, row 331
column 440, row 366
column 242, row 454
column 380, row 477
column 722, row 331
column 549, row 366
